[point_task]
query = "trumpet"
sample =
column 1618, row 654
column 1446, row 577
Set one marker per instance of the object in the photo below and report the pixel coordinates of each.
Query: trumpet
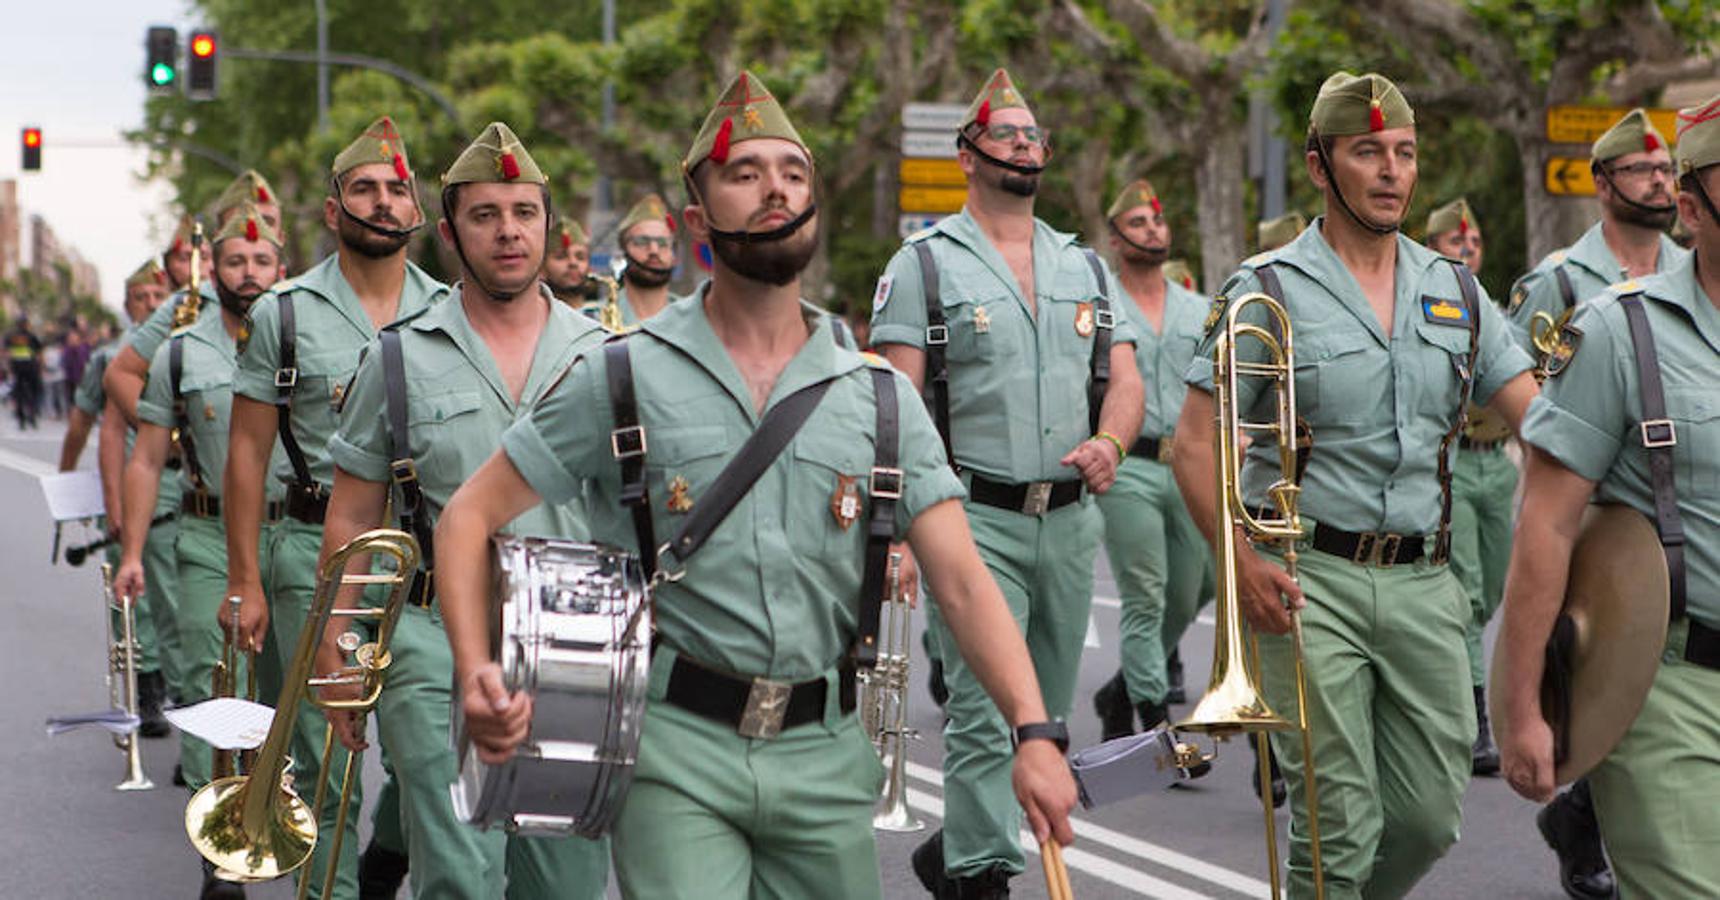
column 884, row 706
column 609, row 316
column 122, row 678
column 225, row 679
column 253, row 833
column 186, row 312
column 1234, row 703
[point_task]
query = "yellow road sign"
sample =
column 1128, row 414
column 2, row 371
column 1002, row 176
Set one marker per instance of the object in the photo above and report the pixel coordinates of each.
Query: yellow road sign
column 933, row 173
column 931, row 199
column 1569, row 176
column 1585, row 124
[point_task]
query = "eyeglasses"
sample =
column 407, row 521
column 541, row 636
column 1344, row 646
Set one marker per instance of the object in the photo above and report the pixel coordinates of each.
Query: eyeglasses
column 1005, row 133
column 1643, row 170
column 647, row 242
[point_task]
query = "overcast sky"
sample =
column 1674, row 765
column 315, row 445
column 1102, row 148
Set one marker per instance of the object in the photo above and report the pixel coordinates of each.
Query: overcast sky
column 77, row 72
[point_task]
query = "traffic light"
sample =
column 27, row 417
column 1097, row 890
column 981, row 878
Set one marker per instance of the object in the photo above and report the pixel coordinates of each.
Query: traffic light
column 32, row 150
column 200, row 65
column 161, row 65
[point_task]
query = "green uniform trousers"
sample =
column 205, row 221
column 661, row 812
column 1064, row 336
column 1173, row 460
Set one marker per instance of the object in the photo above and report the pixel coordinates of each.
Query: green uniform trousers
column 712, row 815
column 1393, row 720
column 1483, row 484
column 202, row 552
column 154, row 625
column 291, row 588
column 451, row 859
column 1159, row 559
column 1044, row 565
column 1657, row 795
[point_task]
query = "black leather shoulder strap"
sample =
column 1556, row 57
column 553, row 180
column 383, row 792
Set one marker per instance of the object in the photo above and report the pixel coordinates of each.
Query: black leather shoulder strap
column 627, row 444
column 1659, row 437
column 1466, row 375
column 1567, row 291
column 1104, row 320
column 409, row 506
column 937, row 376
column 182, row 413
column 286, row 382
column 885, row 489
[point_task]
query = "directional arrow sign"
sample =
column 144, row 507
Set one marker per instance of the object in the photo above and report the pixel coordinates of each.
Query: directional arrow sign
column 1569, row 176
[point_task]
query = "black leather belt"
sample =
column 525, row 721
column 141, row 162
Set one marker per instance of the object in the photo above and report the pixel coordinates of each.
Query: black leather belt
column 1034, row 498
column 307, row 507
column 1483, row 446
column 207, row 506
column 422, row 591
column 755, row 707
column 1152, row 448
column 1702, row 647
column 174, row 463
column 274, row 510
column 1369, row 548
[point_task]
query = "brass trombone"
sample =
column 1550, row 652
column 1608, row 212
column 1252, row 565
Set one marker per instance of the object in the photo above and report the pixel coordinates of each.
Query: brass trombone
column 259, row 835
column 1233, row 703
column 122, row 677
column 884, row 706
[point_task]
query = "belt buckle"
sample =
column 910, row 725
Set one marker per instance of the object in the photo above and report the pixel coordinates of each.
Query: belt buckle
column 1038, row 498
column 626, row 443
column 1165, row 446
column 1386, row 550
column 1367, row 549
column 1658, row 433
column 767, row 706
column 287, row 377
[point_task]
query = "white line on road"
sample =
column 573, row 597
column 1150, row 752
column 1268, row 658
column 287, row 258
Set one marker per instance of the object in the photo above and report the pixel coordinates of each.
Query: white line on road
column 29, row 465
column 1205, row 871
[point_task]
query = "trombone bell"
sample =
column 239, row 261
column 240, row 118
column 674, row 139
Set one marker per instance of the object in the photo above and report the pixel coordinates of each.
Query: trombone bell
column 214, row 820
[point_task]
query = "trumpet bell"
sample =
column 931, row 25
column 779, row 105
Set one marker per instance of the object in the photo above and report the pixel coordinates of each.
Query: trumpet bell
column 214, row 821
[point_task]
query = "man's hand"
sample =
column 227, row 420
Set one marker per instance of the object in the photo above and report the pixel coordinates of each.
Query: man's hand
column 1262, row 589
column 1045, row 789
column 347, row 723
column 1526, row 758
column 908, row 577
column 253, row 615
column 1097, row 460
column 129, row 581
column 496, row 722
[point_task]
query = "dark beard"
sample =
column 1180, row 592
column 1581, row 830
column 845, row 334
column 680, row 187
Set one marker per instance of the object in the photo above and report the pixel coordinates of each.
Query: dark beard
column 1658, row 218
column 234, row 302
column 1146, row 256
column 775, row 262
column 361, row 240
column 638, row 275
column 1020, row 185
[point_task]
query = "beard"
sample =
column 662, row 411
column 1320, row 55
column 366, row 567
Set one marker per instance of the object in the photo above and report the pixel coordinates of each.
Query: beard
column 640, row 275
column 1643, row 215
column 775, row 262
column 1142, row 255
column 238, row 301
column 1019, row 185
column 361, row 240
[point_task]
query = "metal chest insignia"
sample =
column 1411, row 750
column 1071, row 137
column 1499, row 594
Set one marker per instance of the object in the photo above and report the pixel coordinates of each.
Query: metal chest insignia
column 1084, row 319
column 1563, row 352
column 337, row 396
column 208, row 413
column 981, row 321
column 678, row 501
column 845, row 502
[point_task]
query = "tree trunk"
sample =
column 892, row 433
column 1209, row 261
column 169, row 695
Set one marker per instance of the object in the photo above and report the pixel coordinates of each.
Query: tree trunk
column 1549, row 222
column 1219, row 185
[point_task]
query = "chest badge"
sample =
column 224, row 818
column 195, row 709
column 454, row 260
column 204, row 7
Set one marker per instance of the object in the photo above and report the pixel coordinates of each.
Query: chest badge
column 1444, row 312
column 338, row 396
column 845, row 503
column 208, row 413
column 1084, row 319
column 678, row 501
column 981, row 321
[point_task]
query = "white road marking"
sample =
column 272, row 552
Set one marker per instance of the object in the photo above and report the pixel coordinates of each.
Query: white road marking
column 28, row 465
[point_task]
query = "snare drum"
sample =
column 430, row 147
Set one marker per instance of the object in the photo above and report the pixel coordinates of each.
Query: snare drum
column 574, row 632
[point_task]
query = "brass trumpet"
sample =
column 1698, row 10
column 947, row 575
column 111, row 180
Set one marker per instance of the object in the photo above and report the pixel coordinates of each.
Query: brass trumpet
column 122, row 677
column 1233, row 703
column 189, row 305
column 224, row 680
column 262, row 834
column 609, row 316
column 884, row 706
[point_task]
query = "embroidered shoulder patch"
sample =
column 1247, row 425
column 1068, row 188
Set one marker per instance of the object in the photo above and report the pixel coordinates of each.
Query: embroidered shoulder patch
column 1444, row 312
column 1215, row 313
column 881, row 295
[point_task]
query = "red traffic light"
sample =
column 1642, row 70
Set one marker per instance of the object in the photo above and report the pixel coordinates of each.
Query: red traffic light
column 203, row 45
column 32, row 137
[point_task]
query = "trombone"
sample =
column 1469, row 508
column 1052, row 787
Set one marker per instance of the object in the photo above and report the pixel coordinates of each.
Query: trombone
column 1234, row 703
column 884, row 706
column 259, row 835
column 122, row 678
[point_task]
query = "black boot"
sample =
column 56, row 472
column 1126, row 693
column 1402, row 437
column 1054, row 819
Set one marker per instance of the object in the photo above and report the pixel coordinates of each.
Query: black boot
column 1111, row 702
column 1483, row 756
column 1174, row 677
column 217, row 888
column 151, row 693
column 380, row 872
column 1568, row 825
column 179, row 776
column 1279, row 790
column 928, row 860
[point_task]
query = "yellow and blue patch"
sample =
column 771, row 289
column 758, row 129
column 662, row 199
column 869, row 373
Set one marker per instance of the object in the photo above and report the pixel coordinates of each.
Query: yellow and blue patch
column 1444, row 312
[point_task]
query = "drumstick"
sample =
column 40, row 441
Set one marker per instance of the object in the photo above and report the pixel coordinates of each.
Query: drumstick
column 1056, row 875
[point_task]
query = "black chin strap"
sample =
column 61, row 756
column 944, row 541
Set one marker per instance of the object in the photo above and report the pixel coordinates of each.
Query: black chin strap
column 1332, row 179
column 962, row 140
column 385, row 231
column 1166, row 251
column 1602, row 174
column 647, row 268
column 760, row 237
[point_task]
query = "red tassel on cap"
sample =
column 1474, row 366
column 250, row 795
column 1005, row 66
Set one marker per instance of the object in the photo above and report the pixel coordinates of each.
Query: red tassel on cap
column 400, row 167
column 1188, row 282
column 262, row 194
column 510, row 166
column 720, row 146
column 1376, row 116
column 1650, row 143
column 566, row 241
column 983, row 118
column 670, row 219
column 250, row 229
column 1157, row 209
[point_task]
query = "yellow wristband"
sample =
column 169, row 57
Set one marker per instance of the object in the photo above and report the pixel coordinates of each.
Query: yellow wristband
column 1122, row 453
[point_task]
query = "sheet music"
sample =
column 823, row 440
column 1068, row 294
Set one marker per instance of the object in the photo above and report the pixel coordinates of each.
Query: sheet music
column 73, row 495
column 116, row 720
column 225, row 723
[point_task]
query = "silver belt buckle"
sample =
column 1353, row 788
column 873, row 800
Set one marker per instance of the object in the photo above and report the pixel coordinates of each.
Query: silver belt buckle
column 1038, row 498
column 767, row 706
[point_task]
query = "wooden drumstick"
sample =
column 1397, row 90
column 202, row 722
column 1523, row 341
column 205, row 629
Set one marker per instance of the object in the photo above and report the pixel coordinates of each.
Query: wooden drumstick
column 1056, row 874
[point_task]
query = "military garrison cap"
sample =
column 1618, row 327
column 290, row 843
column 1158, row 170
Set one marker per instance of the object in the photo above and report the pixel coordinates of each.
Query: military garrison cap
column 746, row 110
column 1359, row 104
column 1453, row 216
column 249, row 187
column 570, row 233
column 495, row 156
column 1699, row 136
column 247, row 222
column 1138, row 193
column 379, row 143
column 1274, row 233
column 998, row 93
column 1632, row 134
column 650, row 207
column 150, row 273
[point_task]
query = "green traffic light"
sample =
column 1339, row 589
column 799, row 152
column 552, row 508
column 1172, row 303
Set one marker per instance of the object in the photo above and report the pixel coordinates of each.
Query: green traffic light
column 161, row 74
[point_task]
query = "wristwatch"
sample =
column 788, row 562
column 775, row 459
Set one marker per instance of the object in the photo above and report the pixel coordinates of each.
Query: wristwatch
column 1054, row 731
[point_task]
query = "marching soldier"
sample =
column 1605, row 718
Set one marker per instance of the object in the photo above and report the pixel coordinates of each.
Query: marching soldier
column 1156, row 553
column 1483, row 486
column 305, row 339
column 647, row 239
column 188, row 398
column 1017, row 331
column 777, row 803
column 1628, row 417
column 1632, row 167
column 1392, row 342
column 1275, row 233
column 567, row 263
column 472, row 365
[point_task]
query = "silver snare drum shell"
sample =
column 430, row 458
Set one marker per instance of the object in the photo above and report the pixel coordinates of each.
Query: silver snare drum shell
column 573, row 630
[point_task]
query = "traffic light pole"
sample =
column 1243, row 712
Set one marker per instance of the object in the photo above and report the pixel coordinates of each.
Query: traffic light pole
column 352, row 59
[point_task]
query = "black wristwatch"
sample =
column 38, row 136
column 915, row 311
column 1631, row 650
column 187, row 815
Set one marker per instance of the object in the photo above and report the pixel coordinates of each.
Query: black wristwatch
column 1054, row 731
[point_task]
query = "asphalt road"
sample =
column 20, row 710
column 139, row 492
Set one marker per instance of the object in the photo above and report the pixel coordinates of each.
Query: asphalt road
column 67, row 833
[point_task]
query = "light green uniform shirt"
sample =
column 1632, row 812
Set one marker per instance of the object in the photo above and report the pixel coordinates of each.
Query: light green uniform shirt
column 775, row 590
column 1378, row 406
column 1589, row 416
column 1018, row 381
column 206, row 380
column 90, row 396
column 1591, row 266
column 457, row 405
column 1163, row 356
column 147, row 337
column 332, row 329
